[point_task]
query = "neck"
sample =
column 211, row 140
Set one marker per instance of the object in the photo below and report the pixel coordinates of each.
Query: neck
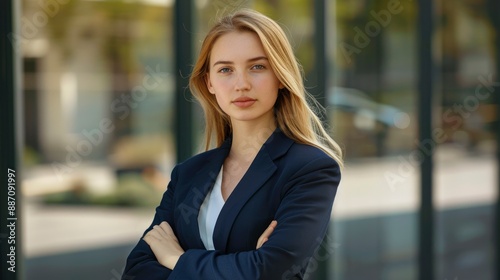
column 248, row 138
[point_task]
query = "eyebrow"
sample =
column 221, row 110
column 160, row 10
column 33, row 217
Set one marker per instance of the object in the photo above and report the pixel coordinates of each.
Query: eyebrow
column 230, row 62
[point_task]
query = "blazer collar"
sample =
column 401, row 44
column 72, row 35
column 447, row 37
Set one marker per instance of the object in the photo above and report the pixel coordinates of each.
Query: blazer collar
column 277, row 144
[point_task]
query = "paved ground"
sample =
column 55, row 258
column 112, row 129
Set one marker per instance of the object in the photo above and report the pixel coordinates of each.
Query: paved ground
column 52, row 230
column 104, row 263
column 75, row 243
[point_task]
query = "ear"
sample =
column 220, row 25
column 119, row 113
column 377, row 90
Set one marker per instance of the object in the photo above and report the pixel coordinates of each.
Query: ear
column 209, row 84
column 281, row 86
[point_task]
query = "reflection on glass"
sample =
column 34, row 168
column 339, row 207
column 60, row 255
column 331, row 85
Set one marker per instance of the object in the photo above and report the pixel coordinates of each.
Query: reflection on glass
column 373, row 113
column 98, row 94
column 465, row 163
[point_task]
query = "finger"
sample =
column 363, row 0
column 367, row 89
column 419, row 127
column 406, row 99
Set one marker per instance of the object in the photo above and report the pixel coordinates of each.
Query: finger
column 265, row 235
column 150, row 238
column 166, row 227
column 154, row 234
column 168, row 230
column 261, row 241
column 270, row 229
column 160, row 229
column 273, row 224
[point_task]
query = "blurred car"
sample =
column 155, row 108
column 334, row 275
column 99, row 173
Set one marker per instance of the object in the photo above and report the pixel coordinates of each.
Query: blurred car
column 365, row 124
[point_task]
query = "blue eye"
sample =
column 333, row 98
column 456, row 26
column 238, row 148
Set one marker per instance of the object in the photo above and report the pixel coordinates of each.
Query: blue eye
column 224, row 70
column 258, row 67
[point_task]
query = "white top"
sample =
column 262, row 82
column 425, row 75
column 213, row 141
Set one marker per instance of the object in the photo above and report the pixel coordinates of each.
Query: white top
column 209, row 212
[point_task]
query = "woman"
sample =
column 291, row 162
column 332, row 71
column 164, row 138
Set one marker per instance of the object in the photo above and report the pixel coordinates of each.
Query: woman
column 258, row 205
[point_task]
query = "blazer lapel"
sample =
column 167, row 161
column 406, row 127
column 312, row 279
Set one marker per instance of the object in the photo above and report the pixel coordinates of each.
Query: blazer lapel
column 261, row 169
column 202, row 182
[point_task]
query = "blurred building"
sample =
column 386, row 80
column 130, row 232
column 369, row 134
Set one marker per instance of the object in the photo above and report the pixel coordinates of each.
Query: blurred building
column 97, row 86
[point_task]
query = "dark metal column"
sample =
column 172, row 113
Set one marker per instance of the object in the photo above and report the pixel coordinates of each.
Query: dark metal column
column 183, row 50
column 10, row 191
column 496, row 233
column 320, row 91
column 425, row 105
column 493, row 6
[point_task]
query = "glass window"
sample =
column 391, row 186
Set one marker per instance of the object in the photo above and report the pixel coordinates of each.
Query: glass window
column 98, row 91
column 373, row 115
column 465, row 162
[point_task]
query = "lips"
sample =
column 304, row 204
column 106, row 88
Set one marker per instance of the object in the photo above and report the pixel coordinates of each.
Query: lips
column 244, row 102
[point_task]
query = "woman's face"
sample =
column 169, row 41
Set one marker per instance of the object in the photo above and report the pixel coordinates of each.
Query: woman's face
column 241, row 78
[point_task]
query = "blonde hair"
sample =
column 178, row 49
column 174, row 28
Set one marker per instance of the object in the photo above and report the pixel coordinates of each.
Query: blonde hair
column 294, row 116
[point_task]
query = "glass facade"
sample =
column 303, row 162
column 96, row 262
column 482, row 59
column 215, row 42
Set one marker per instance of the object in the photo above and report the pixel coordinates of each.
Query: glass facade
column 465, row 171
column 373, row 109
column 98, row 123
column 99, row 94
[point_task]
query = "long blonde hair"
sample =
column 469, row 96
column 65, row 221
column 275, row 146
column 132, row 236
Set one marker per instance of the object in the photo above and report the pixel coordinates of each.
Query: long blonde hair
column 294, row 116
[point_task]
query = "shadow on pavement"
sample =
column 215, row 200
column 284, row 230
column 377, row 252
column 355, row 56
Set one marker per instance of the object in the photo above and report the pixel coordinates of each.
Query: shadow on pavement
column 96, row 264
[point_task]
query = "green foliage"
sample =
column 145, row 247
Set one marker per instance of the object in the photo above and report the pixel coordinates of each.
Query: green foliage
column 30, row 157
column 58, row 24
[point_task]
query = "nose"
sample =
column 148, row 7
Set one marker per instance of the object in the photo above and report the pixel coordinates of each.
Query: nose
column 242, row 82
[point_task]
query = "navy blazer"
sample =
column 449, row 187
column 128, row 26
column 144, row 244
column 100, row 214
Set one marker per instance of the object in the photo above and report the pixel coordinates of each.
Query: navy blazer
column 292, row 183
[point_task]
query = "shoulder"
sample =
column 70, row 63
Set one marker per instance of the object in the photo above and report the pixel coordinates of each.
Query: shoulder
column 307, row 162
column 304, row 154
column 183, row 172
column 306, row 165
column 307, row 152
column 199, row 159
column 291, row 155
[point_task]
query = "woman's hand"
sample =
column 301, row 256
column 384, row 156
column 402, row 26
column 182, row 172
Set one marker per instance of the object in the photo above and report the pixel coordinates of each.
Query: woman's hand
column 164, row 245
column 265, row 235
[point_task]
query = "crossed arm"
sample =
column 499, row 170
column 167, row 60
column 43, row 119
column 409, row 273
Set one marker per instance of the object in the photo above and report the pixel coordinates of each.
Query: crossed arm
column 165, row 246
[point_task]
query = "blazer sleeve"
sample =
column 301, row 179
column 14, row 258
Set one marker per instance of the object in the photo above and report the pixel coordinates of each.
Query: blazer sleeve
column 141, row 262
column 303, row 217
